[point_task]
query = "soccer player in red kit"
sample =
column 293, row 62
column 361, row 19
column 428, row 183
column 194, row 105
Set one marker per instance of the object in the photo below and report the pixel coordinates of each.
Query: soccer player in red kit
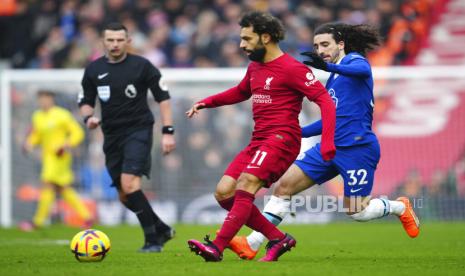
column 277, row 84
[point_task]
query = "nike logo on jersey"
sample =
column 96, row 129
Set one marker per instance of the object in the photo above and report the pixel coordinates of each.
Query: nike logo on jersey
column 101, row 76
column 252, row 167
column 355, row 190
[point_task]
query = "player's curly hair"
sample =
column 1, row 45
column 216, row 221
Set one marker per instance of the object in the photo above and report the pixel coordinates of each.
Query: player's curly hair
column 360, row 38
column 264, row 23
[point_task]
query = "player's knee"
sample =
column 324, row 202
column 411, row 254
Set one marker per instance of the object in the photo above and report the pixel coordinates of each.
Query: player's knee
column 130, row 183
column 222, row 195
column 122, row 197
column 249, row 183
column 225, row 188
column 282, row 188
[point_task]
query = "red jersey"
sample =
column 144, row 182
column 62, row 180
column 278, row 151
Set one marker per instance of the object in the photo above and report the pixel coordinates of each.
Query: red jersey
column 277, row 89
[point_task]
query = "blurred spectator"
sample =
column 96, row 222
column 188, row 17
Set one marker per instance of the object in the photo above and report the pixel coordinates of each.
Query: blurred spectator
column 459, row 171
column 181, row 33
column 413, row 186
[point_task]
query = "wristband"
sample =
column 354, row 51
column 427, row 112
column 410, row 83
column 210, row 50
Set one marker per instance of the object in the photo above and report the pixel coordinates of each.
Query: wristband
column 167, row 130
column 86, row 118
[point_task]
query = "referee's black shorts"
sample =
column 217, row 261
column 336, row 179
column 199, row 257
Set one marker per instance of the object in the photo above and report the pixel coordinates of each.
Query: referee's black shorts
column 128, row 153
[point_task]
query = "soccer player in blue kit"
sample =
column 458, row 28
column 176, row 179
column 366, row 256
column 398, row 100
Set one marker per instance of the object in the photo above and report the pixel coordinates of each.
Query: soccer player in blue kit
column 340, row 49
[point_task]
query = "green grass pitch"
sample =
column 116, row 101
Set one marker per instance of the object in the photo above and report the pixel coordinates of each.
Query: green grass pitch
column 374, row 248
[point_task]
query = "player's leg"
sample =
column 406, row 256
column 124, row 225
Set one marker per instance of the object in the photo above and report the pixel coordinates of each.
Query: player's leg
column 72, row 198
column 307, row 170
column 292, row 182
column 357, row 166
column 63, row 177
column 242, row 209
column 247, row 186
column 137, row 162
column 135, row 198
column 46, row 200
column 261, row 165
column 47, row 194
column 225, row 190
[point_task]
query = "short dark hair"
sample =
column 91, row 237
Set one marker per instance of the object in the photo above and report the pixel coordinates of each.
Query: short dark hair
column 360, row 38
column 264, row 23
column 114, row 26
column 44, row 92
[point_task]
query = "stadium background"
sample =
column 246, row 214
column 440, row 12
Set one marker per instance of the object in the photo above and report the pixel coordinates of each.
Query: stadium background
column 420, row 121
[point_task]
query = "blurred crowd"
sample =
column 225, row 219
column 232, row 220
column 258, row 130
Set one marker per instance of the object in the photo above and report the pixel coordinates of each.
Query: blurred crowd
column 193, row 33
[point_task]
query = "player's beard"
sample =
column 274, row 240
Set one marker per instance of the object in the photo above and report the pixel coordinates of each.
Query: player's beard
column 258, row 54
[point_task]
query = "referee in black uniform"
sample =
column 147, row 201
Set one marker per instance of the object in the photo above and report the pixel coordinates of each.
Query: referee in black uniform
column 120, row 80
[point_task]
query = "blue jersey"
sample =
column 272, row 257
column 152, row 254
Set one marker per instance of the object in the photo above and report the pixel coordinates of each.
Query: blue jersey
column 350, row 85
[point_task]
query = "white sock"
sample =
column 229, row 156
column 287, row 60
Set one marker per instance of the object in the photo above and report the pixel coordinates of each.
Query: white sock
column 255, row 240
column 380, row 207
column 397, row 207
column 377, row 208
column 275, row 211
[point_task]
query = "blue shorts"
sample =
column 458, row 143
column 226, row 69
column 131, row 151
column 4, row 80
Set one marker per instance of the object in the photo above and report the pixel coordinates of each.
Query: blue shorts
column 356, row 165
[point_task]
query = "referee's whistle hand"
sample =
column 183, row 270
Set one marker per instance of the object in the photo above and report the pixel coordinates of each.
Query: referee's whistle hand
column 93, row 122
column 194, row 109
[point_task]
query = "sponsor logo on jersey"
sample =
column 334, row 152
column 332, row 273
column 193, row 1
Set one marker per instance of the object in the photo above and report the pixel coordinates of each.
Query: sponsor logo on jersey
column 268, row 83
column 130, row 91
column 311, row 79
column 262, row 99
column 104, row 92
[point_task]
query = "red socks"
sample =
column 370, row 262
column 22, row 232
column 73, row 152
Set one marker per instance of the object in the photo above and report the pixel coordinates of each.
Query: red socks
column 258, row 222
column 243, row 211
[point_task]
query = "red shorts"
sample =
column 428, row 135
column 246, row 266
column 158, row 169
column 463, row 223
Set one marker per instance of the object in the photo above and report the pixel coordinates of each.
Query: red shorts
column 268, row 159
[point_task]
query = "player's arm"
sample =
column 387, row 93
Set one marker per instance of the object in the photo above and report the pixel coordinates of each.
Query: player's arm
column 74, row 131
column 236, row 94
column 313, row 129
column 328, row 121
column 86, row 101
column 32, row 139
column 357, row 67
column 304, row 81
column 161, row 95
column 168, row 141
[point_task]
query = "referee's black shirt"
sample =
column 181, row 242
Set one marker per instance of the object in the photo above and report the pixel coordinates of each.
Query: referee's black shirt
column 122, row 91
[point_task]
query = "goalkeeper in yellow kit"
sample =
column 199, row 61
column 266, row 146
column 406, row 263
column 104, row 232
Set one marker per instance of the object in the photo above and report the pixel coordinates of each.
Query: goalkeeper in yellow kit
column 55, row 131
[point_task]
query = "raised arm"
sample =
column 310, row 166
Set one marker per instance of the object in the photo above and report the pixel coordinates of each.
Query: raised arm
column 357, row 66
